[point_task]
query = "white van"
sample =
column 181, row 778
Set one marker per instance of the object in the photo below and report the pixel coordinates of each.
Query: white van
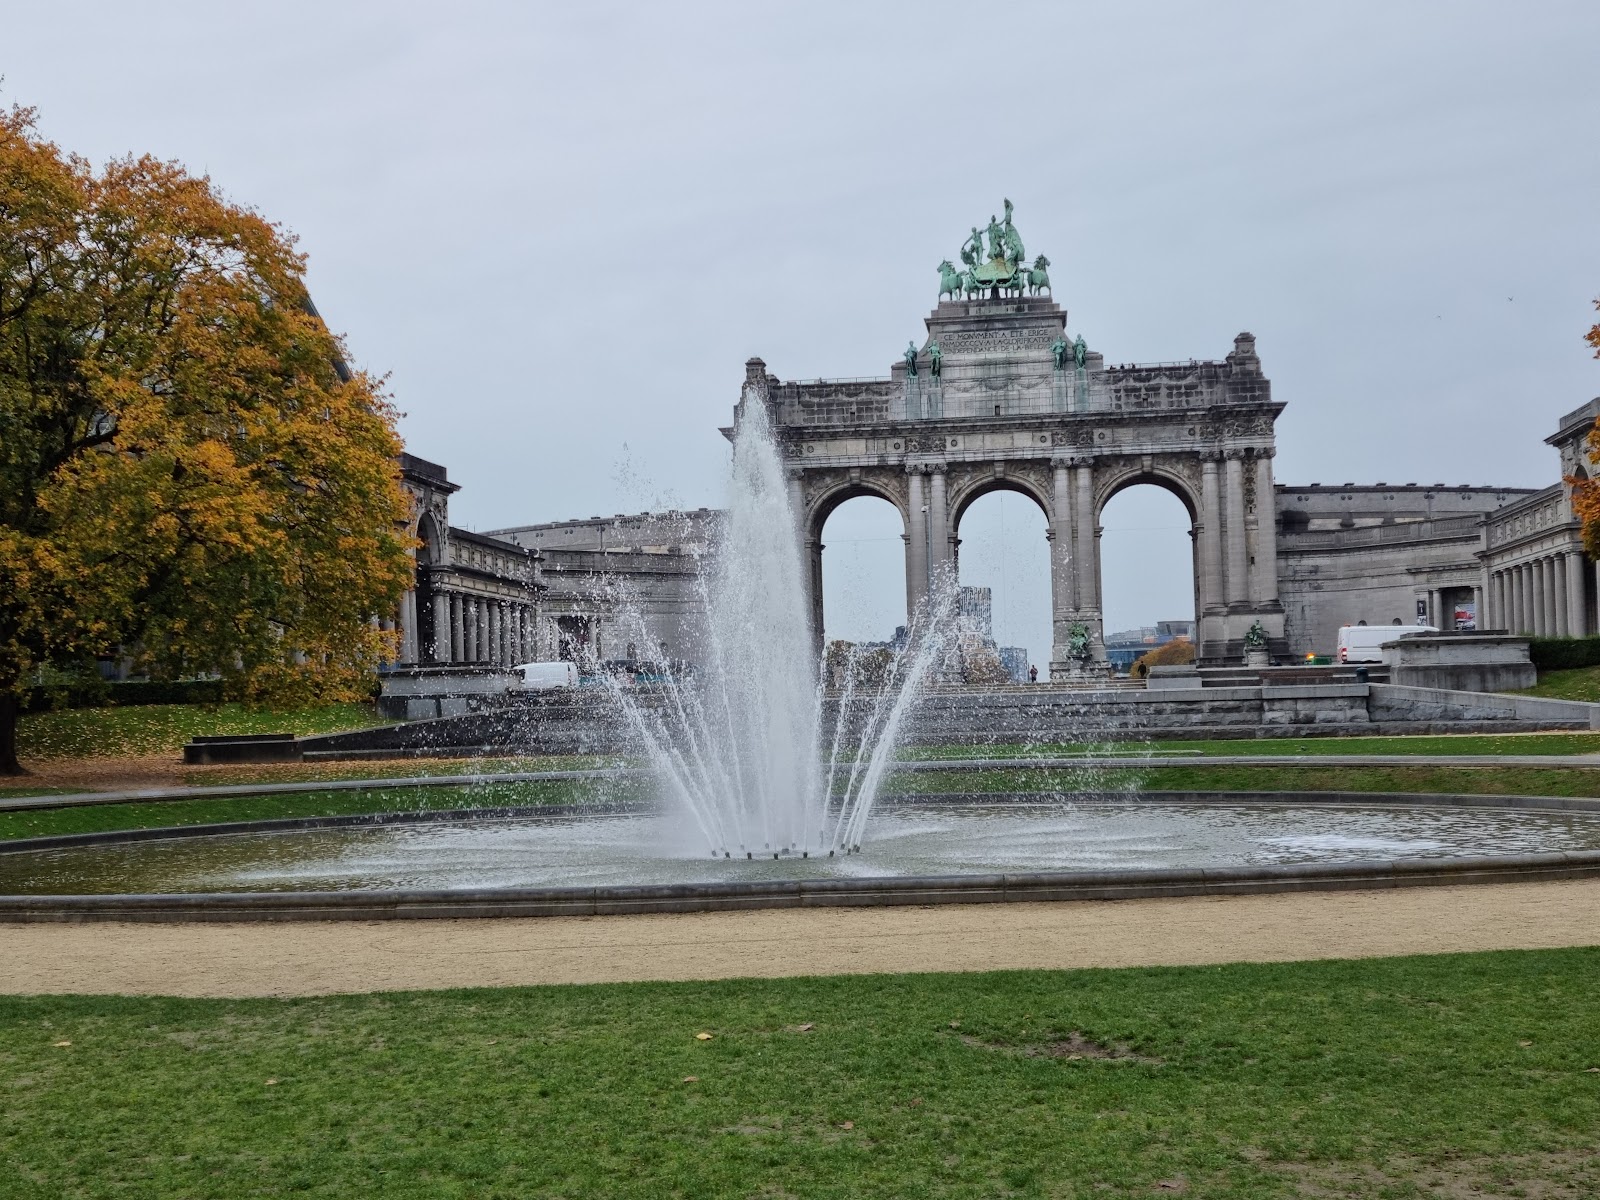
column 541, row 676
column 1361, row 643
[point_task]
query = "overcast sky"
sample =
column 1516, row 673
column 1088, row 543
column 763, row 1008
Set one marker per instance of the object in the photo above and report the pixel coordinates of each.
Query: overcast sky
column 561, row 229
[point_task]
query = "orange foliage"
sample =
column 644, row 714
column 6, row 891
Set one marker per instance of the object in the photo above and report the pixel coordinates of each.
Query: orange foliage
column 1586, row 491
column 1176, row 653
column 186, row 465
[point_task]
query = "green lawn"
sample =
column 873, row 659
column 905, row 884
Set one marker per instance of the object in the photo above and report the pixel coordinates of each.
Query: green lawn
column 1502, row 743
column 98, row 817
column 164, row 728
column 1580, row 683
column 1439, row 1076
column 1296, row 777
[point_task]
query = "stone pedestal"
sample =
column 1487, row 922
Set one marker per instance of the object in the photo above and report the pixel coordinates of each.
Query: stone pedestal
column 1463, row 662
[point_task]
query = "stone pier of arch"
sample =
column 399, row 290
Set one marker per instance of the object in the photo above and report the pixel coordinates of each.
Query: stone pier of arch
column 1001, row 414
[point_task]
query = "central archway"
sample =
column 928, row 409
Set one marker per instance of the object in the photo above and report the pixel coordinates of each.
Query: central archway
column 1001, row 552
column 1148, row 567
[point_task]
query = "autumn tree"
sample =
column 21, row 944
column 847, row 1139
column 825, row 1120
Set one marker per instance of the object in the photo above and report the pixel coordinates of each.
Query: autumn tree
column 188, row 471
column 1585, row 489
column 1176, row 653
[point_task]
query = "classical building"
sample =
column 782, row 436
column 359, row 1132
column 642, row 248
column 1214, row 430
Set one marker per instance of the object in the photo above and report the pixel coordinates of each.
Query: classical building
column 625, row 587
column 1000, row 395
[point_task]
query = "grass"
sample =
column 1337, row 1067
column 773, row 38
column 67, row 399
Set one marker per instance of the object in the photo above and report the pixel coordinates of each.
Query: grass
column 1250, row 1081
column 1579, row 683
column 174, row 813
column 1299, row 777
column 1504, row 743
column 164, row 728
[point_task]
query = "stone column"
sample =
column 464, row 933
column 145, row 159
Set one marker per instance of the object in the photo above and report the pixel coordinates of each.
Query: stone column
column 1265, row 588
column 1062, row 599
column 1540, row 596
column 1480, row 596
column 479, row 648
column 940, row 567
column 1210, row 537
column 441, row 628
column 1085, row 568
column 492, row 615
column 1524, row 573
column 408, row 627
column 1238, row 587
column 1435, row 609
column 457, row 649
column 1577, row 606
column 916, row 543
column 1560, row 592
column 1548, row 569
column 813, row 561
column 810, row 572
column 1497, row 593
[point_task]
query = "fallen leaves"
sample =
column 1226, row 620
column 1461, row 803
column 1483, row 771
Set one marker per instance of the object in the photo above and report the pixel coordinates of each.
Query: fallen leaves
column 63, row 1043
column 691, row 1079
column 847, row 1124
column 272, row 1083
column 702, row 1037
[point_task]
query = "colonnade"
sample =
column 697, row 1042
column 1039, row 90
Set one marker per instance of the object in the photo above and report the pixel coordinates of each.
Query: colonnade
column 481, row 629
column 1236, row 559
column 1544, row 596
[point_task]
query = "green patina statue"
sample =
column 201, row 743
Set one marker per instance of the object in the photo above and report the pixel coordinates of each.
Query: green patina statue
column 997, row 240
column 911, row 358
column 972, row 249
column 1078, row 640
column 935, row 359
column 1012, row 239
column 1080, row 352
column 950, row 281
column 1001, row 270
column 1059, row 349
column 1255, row 638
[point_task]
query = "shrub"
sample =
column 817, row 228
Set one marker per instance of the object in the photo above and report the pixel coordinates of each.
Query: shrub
column 95, row 693
column 1559, row 654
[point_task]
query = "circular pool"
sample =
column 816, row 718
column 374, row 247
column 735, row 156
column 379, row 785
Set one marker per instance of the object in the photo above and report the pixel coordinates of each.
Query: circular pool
column 946, row 838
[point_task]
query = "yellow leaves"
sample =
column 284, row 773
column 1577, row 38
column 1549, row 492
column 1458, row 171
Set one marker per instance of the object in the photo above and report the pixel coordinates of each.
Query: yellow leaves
column 242, row 515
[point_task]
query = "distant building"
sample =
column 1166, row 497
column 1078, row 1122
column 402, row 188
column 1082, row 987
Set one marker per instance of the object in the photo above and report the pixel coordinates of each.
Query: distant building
column 1015, row 660
column 974, row 610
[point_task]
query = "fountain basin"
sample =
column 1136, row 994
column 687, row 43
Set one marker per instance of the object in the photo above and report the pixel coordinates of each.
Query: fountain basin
column 570, row 860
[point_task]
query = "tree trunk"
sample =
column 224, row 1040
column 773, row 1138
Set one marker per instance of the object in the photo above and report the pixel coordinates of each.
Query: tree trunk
column 10, row 710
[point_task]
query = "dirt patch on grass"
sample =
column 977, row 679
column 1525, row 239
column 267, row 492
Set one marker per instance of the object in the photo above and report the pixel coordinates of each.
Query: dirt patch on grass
column 1553, row 1175
column 1072, row 1047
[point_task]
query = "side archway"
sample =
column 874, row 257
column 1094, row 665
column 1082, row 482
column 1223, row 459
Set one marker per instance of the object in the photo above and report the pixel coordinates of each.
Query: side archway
column 1148, row 550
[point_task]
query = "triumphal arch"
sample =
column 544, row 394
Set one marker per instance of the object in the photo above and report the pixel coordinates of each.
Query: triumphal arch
column 1002, row 395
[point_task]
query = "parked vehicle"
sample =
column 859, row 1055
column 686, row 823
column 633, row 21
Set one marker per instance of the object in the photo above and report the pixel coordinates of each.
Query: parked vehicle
column 1363, row 643
column 541, row 676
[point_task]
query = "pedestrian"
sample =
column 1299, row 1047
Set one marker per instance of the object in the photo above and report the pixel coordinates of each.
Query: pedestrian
column 1033, row 674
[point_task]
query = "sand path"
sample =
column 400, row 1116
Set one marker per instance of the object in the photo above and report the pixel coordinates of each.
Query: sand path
column 319, row 958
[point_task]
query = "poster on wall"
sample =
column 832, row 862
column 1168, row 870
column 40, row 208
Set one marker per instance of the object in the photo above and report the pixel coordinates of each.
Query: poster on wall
column 1466, row 614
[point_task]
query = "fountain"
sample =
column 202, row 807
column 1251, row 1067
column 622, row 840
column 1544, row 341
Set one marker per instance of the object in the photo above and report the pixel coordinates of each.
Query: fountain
column 753, row 763
column 743, row 747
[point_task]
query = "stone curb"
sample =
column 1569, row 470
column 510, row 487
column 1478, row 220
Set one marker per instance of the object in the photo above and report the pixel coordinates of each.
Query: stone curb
column 822, row 893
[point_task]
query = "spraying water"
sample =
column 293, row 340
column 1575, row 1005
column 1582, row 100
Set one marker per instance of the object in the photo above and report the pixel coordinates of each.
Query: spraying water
column 743, row 745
